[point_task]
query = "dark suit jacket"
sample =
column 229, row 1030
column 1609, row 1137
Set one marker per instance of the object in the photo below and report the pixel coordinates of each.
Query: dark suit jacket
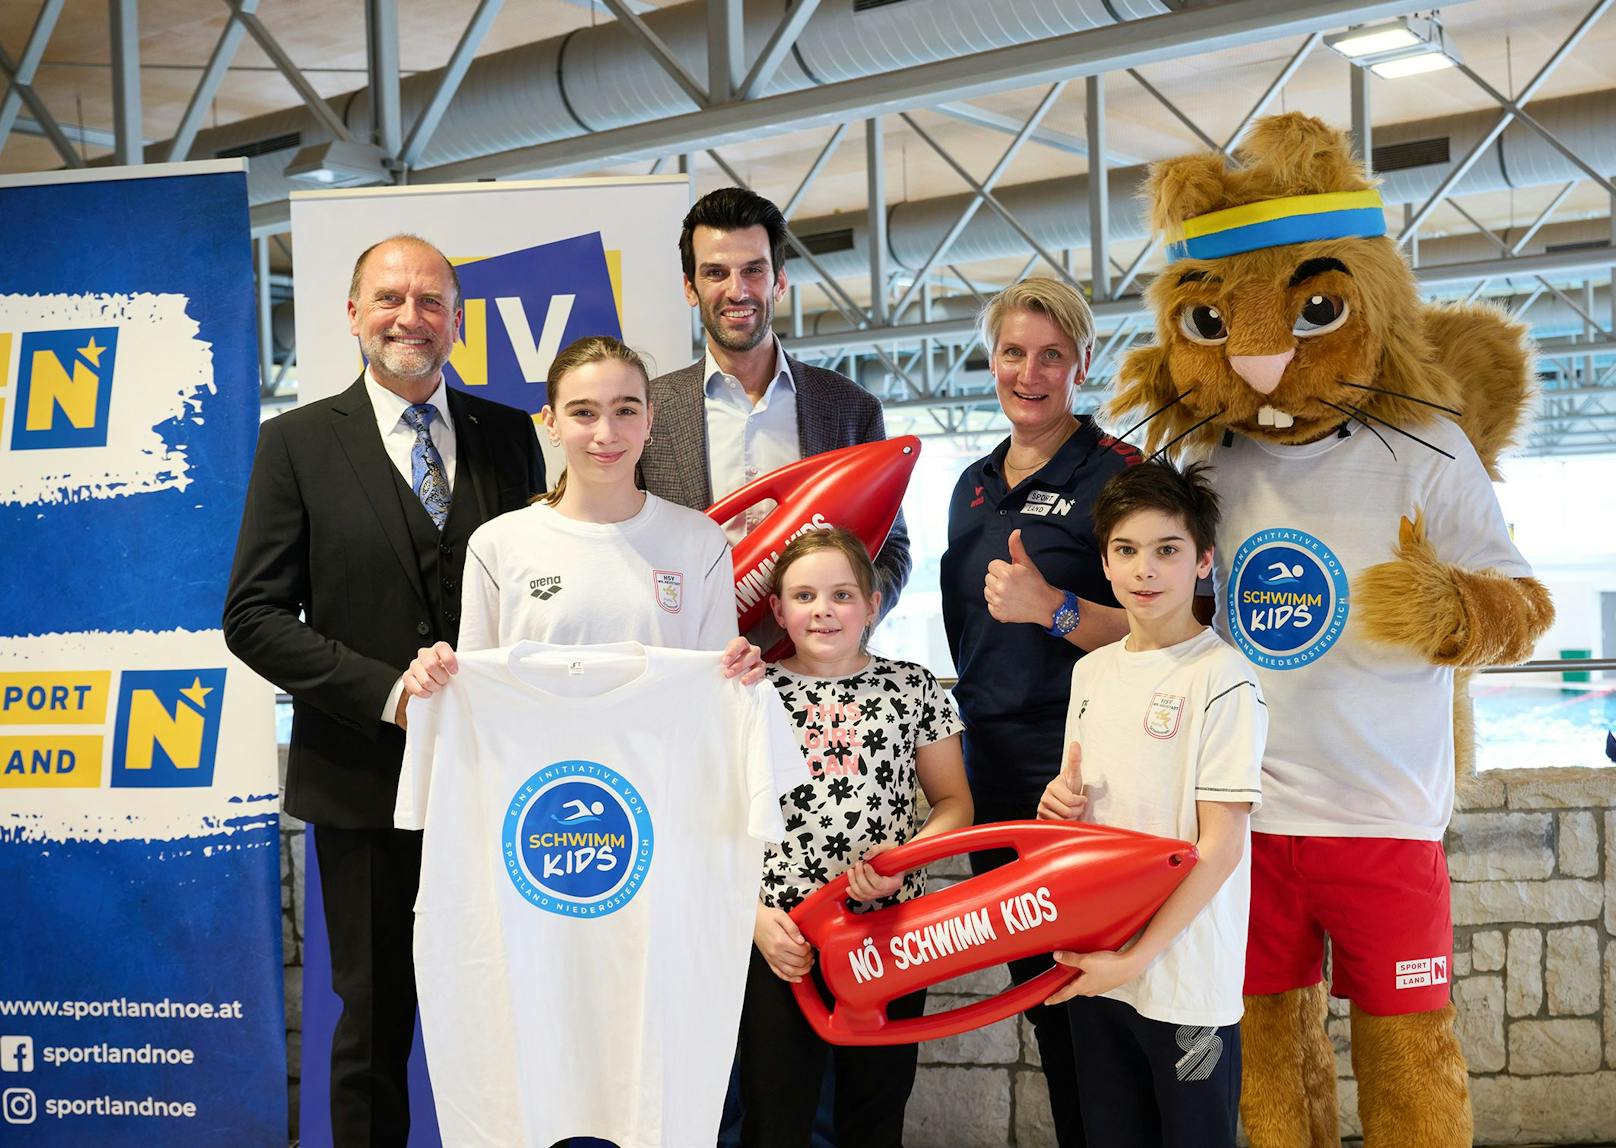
column 324, row 535
column 832, row 412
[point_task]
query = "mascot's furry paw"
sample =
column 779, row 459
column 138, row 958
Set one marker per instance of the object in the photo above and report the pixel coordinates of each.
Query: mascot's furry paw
column 1287, row 1089
column 1448, row 615
column 1413, row 1089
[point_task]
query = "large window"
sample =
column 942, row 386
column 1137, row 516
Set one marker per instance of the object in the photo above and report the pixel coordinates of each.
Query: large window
column 1562, row 513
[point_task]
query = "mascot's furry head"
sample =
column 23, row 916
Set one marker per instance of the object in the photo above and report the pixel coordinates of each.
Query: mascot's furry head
column 1287, row 311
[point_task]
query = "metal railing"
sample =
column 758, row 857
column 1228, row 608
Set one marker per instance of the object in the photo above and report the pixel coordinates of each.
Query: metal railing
column 1554, row 664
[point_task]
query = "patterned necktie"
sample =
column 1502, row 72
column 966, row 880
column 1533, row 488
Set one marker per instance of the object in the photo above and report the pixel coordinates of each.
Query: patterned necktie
column 427, row 478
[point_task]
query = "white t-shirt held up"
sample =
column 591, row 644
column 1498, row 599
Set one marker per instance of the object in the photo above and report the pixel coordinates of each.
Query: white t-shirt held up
column 595, row 818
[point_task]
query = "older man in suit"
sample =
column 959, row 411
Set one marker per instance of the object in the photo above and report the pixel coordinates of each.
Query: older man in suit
column 349, row 559
column 748, row 408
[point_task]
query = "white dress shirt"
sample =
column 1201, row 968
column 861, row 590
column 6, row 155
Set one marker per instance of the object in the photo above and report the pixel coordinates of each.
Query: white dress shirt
column 746, row 440
column 398, row 437
column 398, row 440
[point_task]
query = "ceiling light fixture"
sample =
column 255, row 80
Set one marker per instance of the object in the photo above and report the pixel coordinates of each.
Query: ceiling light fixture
column 1406, row 46
column 339, row 164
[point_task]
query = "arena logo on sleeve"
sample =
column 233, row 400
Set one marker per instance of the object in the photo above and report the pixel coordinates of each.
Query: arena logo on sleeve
column 577, row 839
column 1287, row 600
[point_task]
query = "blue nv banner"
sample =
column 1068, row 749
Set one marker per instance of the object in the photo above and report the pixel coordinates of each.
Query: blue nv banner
column 140, row 955
column 543, row 297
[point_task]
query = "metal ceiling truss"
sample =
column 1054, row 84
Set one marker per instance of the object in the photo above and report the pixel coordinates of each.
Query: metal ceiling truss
column 19, row 76
column 920, row 363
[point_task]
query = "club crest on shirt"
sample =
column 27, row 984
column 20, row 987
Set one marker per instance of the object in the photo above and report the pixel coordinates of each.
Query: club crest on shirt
column 670, row 589
column 1161, row 716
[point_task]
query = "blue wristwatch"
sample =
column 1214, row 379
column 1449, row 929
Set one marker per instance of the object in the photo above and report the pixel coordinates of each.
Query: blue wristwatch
column 1065, row 619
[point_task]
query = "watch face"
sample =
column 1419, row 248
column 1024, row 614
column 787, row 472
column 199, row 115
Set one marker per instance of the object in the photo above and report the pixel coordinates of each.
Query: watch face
column 1066, row 619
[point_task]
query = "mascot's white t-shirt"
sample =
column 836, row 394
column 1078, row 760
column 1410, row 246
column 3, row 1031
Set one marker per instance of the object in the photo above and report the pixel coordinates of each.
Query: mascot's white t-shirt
column 595, row 818
column 1161, row 730
column 1361, row 739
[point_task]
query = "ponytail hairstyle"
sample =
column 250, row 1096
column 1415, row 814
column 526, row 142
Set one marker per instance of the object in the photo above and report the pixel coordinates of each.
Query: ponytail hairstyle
column 580, row 353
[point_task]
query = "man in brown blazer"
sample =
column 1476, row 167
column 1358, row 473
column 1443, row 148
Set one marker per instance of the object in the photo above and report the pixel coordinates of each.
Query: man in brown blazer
column 748, row 408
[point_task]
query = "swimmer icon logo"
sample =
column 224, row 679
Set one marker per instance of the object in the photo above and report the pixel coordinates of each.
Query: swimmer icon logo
column 577, row 839
column 1287, row 600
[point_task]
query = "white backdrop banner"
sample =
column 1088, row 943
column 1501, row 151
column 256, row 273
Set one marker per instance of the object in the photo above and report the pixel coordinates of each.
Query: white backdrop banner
column 541, row 263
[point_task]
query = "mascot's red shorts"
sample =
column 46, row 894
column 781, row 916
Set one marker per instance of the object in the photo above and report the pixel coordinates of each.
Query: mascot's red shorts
column 1383, row 903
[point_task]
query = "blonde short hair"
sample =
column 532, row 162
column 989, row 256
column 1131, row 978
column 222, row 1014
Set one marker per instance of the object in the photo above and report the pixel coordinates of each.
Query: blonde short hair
column 1041, row 295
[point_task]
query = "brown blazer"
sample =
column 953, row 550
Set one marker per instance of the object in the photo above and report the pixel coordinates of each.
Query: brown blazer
column 832, row 412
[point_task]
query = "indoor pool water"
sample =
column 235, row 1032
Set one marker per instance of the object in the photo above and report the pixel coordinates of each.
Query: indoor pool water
column 1542, row 723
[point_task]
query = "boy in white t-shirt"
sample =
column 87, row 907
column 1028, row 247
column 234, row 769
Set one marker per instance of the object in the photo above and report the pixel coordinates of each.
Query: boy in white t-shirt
column 1165, row 733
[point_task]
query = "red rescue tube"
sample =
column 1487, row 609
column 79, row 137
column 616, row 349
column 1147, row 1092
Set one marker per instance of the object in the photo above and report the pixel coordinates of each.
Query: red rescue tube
column 1073, row 886
column 860, row 487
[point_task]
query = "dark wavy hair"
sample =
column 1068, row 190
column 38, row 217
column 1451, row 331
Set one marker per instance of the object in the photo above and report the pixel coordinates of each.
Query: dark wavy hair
column 732, row 209
column 1184, row 494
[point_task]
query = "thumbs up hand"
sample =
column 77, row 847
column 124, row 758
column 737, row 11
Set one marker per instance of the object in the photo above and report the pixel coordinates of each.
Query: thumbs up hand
column 1016, row 590
column 1063, row 798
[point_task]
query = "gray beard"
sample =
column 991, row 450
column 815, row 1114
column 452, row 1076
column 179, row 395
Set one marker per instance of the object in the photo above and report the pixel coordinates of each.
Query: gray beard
column 402, row 364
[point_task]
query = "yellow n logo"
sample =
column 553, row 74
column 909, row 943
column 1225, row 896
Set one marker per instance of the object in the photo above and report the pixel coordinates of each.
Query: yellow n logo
column 54, row 388
column 168, row 728
column 64, row 388
column 151, row 725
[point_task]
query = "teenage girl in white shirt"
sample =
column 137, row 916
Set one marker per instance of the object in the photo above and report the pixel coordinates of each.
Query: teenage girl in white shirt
column 597, row 559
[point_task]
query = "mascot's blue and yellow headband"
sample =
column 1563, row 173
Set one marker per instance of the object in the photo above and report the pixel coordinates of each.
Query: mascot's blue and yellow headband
column 1279, row 223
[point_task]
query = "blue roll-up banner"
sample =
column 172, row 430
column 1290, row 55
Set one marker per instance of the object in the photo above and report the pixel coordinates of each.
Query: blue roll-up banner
column 140, row 947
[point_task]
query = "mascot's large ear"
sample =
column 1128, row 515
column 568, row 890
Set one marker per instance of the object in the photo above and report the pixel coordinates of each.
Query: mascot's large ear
column 1144, row 384
column 1180, row 189
column 1295, row 154
column 1489, row 357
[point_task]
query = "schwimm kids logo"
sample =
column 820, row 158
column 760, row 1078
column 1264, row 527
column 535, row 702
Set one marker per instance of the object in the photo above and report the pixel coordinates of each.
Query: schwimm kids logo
column 1288, row 599
column 577, row 839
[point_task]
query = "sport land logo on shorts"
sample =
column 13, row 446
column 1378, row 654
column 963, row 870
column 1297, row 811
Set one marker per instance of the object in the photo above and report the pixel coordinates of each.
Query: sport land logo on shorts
column 1422, row 973
column 1287, row 599
column 577, row 839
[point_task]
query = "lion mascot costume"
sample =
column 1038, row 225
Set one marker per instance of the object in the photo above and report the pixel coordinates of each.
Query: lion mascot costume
column 1363, row 561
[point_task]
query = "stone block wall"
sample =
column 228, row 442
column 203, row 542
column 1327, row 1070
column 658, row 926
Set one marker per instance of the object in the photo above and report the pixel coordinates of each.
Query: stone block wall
column 1532, row 854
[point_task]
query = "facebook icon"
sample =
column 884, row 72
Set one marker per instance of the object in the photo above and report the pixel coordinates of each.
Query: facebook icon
column 17, row 1053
